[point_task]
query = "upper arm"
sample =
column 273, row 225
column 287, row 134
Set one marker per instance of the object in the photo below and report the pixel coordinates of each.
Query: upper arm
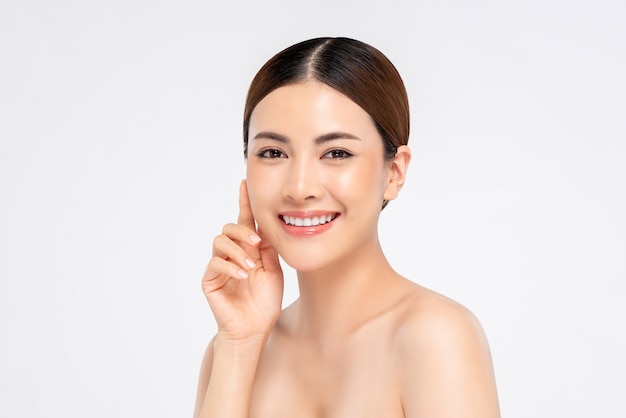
column 203, row 379
column 446, row 368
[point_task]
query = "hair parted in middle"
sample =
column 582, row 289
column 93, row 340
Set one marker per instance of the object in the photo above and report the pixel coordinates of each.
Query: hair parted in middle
column 357, row 70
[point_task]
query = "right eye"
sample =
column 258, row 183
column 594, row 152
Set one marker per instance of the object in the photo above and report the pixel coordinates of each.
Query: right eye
column 271, row 153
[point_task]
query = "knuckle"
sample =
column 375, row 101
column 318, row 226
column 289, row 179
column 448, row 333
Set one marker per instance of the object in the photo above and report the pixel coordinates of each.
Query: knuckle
column 210, row 286
column 214, row 268
column 216, row 239
column 219, row 240
column 227, row 227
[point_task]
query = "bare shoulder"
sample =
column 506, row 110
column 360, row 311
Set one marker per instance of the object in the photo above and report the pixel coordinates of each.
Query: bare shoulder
column 444, row 363
column 427, row 318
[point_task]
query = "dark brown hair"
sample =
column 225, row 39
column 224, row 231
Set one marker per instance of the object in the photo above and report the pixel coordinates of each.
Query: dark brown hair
column 353, row 68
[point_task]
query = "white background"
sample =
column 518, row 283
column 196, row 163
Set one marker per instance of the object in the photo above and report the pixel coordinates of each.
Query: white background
column 120, row 157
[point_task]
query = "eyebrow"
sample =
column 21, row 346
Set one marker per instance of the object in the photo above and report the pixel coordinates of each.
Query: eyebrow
column 318, row 140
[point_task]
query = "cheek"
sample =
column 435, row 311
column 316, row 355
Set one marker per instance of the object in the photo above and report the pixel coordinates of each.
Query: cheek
column 360, row 182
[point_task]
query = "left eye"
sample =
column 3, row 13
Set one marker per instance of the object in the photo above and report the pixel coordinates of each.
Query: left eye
column 271, row 154
column 337, row 154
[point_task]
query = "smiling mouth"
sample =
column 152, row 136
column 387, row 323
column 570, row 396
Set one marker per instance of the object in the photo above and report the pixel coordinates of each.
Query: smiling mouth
column 312, row 221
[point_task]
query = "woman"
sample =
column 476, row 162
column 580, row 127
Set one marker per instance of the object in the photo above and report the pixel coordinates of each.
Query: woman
column 326, row 124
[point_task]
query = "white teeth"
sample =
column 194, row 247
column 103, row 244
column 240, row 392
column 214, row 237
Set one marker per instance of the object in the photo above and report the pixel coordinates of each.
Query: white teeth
column 290, row 220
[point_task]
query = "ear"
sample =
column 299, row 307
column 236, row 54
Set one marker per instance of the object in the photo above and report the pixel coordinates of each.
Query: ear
column 396, row 172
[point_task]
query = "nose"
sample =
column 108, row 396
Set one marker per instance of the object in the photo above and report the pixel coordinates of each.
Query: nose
column 303, row 181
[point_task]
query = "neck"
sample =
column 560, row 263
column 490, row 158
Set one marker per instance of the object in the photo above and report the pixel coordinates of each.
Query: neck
column 335, row 300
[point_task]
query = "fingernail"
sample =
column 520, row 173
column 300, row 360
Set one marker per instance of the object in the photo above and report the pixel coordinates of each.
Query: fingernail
column 242, row 274
column 255, row 239
column 249, row 263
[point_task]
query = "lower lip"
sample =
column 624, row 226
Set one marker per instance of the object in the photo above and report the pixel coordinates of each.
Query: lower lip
column 307, row 231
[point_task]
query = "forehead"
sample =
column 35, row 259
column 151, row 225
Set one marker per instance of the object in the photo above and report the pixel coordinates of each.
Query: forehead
column 310, row 108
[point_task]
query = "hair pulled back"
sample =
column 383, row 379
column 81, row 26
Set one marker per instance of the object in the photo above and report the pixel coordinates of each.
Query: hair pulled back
column 353, row 68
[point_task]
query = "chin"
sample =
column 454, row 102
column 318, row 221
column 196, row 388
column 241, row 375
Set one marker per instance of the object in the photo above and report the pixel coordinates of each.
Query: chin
column 306, row 261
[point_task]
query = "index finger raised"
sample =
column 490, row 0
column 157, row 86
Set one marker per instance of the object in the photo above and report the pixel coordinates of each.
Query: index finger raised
column 246, row 217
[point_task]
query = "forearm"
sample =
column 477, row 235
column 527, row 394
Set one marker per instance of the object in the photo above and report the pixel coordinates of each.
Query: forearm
column 232, row 378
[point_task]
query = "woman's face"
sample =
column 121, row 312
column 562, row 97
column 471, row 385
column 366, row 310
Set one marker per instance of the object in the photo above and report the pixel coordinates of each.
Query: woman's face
column 316, row 175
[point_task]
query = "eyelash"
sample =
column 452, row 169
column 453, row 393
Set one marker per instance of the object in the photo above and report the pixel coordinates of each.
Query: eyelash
column 267, row 153
column 334, row 154
column 343, row 154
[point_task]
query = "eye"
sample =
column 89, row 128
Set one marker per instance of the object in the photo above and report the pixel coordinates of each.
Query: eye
column 271, row 153
column 337, row 154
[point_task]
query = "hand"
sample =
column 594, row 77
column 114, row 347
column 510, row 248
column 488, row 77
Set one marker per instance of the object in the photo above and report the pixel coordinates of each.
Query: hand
column 243, row 282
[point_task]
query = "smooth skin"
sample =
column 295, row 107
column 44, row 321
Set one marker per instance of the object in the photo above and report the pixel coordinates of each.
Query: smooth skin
column 361, row 340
